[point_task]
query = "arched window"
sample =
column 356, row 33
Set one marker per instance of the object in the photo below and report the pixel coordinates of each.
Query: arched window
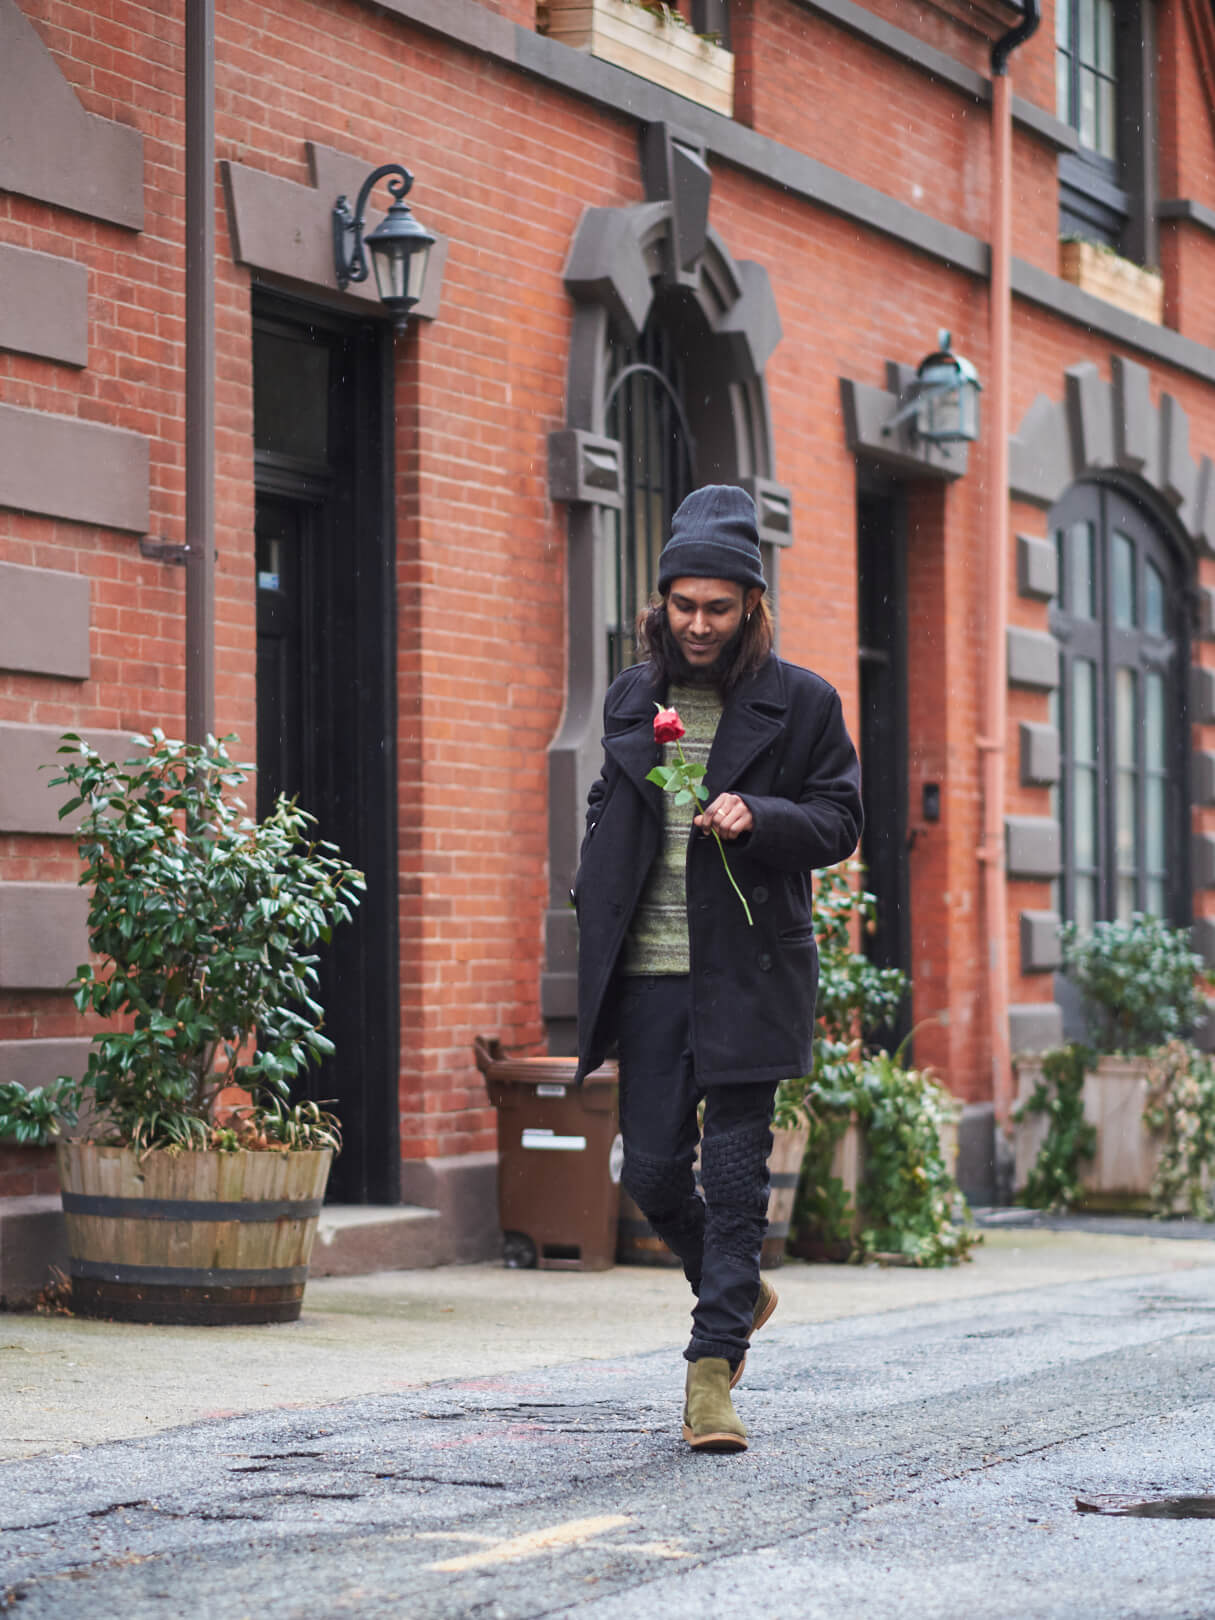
column 1120, row 709
column 645, row 411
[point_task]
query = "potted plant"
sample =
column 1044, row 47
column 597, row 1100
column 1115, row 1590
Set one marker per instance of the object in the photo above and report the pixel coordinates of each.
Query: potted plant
column 1125, row 1119
column 192, row 1183
column 877, row 1175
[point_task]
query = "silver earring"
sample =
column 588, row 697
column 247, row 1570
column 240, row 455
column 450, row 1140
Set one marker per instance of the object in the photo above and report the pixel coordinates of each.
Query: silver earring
column 747, row 620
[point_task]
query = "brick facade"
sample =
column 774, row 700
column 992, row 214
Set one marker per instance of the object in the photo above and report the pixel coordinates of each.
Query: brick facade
column 506, row 159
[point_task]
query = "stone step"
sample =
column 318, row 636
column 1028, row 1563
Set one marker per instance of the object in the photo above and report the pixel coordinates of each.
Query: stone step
column 352, row 1239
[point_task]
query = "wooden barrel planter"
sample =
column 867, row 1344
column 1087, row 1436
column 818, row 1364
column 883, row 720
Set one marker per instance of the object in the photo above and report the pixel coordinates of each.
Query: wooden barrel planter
column 190, row 1237
column 784, row 1169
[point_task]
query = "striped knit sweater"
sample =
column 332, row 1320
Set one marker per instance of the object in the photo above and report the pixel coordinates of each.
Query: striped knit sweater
column 657, row 941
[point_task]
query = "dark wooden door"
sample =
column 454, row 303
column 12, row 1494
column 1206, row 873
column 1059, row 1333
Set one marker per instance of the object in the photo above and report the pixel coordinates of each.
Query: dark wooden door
column 325, row 685
column 882, row 611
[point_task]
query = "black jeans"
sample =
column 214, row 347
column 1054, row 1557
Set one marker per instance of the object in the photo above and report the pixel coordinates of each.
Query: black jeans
column 718, row 1237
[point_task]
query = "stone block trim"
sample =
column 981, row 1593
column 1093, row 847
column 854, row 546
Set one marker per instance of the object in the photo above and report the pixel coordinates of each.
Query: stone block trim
column 1202, row 857
column 79, row 161
column 1041, row 950
column 1037, row 568
column 43, row 934
column 28, row 804
column 1034, row 846
column 1035, row 1026
column 287, row 229
column 1202, row 939
column 1202, row 777
column 1099, row 426
column 44, row 621
column 1134, row 420
column 584, row 467
column 867, row 413
column 1033, row 659
column 63, row 467
column 40, row 1063
column 1202, row 695
column 1039, row 754
column 774, row 509
column 1089, row 417
column 44, row 306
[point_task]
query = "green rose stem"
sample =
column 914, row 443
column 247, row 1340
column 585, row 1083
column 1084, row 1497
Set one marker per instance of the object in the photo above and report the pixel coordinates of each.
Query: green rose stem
column 686, row 779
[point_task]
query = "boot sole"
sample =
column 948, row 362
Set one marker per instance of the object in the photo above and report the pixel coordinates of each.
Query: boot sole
column 721, row 1441
column 773, row 1302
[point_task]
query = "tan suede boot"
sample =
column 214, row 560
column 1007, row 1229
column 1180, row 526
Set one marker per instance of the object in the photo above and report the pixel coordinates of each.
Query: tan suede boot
column 710, row 1422
column 766, row 1302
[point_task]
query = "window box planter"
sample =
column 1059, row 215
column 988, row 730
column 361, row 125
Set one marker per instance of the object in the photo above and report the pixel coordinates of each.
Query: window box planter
column 1097, row 270
column 626, row 34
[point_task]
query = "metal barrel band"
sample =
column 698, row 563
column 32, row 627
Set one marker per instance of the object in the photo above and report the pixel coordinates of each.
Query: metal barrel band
column 188, row 1276
column 190, row 1209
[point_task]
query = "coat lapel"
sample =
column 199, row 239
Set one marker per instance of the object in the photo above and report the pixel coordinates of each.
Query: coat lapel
column 633, row 747
column 750, row 722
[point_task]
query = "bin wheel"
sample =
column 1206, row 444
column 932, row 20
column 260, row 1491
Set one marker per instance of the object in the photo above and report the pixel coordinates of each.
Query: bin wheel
column 518, row 1251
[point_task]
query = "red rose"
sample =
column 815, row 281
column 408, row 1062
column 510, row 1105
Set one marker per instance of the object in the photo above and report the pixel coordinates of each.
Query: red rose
column 668, row 727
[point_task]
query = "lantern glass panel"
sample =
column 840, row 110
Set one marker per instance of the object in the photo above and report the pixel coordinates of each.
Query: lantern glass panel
column 949, row 414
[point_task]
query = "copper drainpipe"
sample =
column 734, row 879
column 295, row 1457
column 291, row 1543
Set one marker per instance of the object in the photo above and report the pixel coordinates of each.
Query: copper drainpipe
column 200, row 368
column 992, row 742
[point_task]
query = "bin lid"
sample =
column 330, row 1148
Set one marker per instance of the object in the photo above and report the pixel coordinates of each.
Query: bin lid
column 496, row 1066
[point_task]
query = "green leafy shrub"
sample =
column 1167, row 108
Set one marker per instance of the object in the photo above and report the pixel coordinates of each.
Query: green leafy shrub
column 205, row 924
column 1138, row 980
column 32, row 1118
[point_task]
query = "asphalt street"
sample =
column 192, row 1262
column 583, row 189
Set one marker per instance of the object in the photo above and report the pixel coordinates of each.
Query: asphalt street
column 920, row 1461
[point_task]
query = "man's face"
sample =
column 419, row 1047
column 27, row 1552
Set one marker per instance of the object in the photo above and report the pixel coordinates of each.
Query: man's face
column 704, row 615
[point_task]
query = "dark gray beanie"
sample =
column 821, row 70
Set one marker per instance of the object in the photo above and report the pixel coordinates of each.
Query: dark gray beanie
column 714, row 536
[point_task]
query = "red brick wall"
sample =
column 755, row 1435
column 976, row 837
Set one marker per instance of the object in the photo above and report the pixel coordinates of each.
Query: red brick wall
column 505, row 166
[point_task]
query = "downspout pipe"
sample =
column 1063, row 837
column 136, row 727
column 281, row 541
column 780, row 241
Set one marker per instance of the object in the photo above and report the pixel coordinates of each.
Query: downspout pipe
column 200, row 369
column 992, row 743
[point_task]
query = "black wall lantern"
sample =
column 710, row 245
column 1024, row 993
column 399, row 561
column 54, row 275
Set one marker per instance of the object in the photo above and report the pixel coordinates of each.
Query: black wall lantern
column 944, row 399
column 400, row 245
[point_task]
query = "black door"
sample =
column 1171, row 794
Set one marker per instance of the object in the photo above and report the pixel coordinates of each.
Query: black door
column 882, row 608
column 325, row 683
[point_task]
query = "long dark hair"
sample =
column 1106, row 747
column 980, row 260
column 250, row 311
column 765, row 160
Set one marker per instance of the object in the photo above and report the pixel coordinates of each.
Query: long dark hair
column 754, row 642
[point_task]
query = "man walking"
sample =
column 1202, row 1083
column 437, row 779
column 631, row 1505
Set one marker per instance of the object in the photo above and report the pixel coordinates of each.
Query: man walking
column 707, row 998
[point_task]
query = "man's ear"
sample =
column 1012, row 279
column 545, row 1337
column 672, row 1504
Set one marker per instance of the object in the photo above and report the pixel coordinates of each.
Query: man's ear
column 751, row 599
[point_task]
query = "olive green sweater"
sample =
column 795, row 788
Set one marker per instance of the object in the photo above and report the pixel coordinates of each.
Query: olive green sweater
column 657, row 940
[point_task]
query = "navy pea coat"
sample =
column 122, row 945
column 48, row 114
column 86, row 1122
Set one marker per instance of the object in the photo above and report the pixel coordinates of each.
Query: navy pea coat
column 782, row 746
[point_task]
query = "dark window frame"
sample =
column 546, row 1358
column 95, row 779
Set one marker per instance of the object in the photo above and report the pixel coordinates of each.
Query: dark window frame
column 1115, row 201
column 1110, row 511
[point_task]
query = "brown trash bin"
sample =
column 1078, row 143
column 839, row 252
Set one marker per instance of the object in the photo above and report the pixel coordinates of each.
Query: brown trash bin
column 559, row 1160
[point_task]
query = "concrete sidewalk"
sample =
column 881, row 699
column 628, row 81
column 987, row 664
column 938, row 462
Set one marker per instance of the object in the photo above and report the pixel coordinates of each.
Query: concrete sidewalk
column 67, row 1382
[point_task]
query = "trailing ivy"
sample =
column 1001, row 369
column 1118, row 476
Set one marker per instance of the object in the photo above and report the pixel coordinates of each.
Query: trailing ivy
column 1180, row 1111
column 910, row 1197
column 1054, row 1181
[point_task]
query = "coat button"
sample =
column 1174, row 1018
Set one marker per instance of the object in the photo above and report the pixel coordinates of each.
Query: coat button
column 759, row 894
column 765, row 962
